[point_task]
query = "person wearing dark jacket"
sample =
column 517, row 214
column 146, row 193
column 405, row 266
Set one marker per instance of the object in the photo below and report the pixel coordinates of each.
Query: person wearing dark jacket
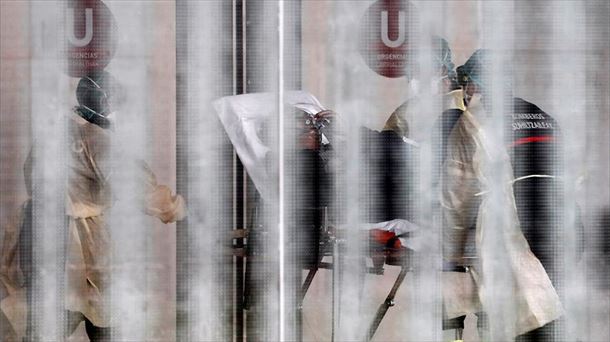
column 533, row 141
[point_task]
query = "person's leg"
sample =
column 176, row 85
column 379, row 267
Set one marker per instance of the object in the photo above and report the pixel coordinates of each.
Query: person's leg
column 456, row 324
column 483, row 326
column 97, row 334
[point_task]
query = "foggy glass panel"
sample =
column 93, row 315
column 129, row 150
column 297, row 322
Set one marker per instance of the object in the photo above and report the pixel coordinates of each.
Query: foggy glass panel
column 304, row 170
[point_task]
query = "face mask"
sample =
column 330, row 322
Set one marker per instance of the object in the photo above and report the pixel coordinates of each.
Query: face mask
column 437, row 85
column 414, row 87
column 476, row 107
column 474, row 102
column 112, row 117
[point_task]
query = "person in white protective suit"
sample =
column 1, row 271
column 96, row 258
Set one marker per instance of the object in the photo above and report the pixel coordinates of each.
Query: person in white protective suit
column 402, row 120
column 477, row 190
column 391, row 155
column 89, row 198
column 409, row 122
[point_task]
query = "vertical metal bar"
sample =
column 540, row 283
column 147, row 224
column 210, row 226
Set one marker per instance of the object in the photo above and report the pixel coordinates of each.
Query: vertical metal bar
column 239, row 174
column 281, row 208
column 182, row 165
column 261, row 75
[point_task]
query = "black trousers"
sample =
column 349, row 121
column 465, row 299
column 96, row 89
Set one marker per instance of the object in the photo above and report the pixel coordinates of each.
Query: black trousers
column 95, row 333
column 549, row 332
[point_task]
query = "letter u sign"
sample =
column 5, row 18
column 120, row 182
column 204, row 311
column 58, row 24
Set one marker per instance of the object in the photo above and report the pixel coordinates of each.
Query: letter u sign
column 86, row 39
column 90, row 36
column 385, row 37
column 385, row 33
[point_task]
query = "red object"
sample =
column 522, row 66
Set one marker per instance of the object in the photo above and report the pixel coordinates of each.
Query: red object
column 90, row 37
column 526, row 140
column 386, row 37
column 383, row 237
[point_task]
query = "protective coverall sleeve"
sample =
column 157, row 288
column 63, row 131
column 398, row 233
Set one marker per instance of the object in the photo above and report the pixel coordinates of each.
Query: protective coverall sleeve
column 13, row 307
column 459, row 186
column 158, row 199
column 10, row 272
column 397, row 122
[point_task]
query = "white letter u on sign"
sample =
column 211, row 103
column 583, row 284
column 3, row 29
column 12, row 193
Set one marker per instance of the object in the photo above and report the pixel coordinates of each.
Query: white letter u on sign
column 84, row 41
column 401, row 30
